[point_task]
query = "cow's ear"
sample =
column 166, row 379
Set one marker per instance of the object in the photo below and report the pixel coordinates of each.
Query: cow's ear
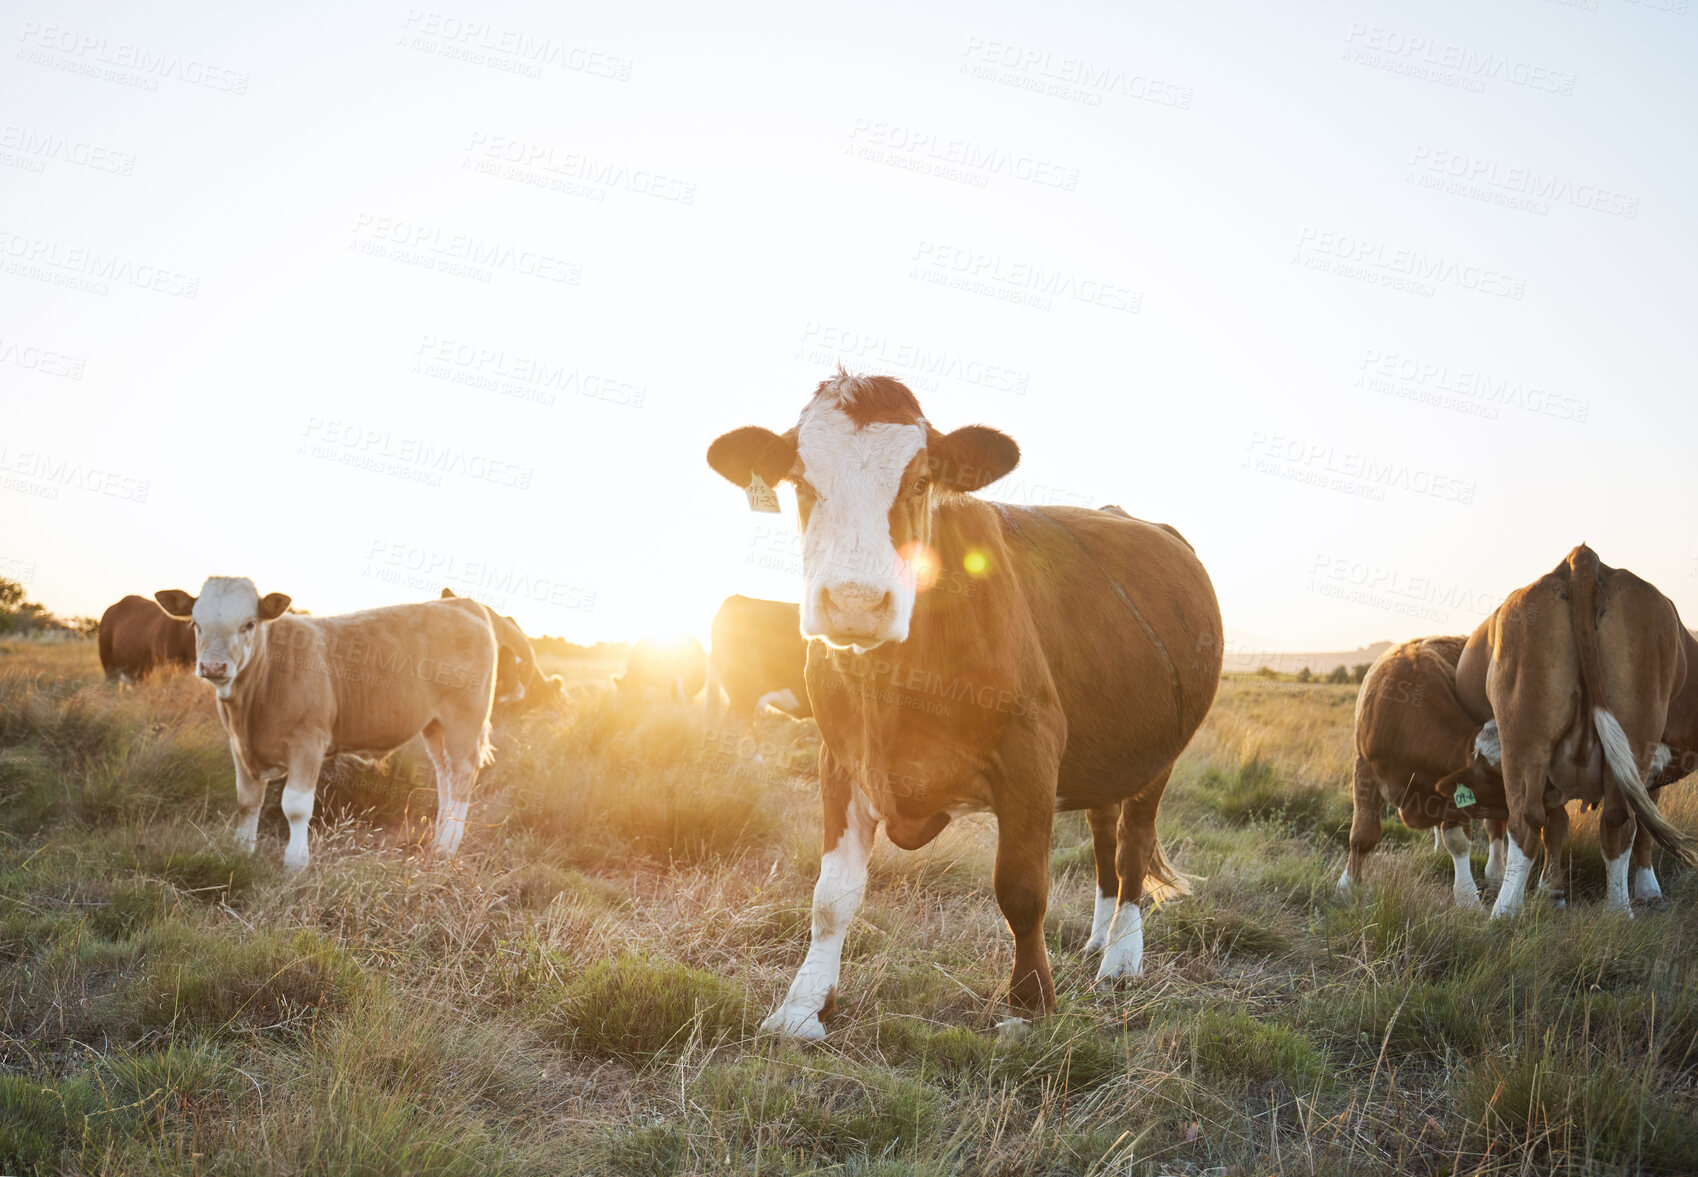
column 272, row 606
column 176, row 603
column 971, row 457
column 446, row 593
column 753, row 450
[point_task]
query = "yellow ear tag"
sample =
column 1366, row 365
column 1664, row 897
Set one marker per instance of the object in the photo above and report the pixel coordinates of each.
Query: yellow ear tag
column 1463, row 797
column 761, row 496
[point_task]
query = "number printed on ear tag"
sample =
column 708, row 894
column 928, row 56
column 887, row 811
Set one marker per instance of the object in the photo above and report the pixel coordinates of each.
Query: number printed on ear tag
column 1463, row 797
column 761, row 496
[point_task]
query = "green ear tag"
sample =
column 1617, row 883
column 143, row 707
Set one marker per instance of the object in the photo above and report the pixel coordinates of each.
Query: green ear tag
column 761, row 496
column 1463, row 797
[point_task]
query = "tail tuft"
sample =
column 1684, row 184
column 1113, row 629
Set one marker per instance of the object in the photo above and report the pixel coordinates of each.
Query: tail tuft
column 1618, row 754
column 486, row 746
column 1162, row 881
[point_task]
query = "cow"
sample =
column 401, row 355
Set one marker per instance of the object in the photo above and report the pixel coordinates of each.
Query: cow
column 1071, row 677
column 520, row 683
column 1412, row 734
column 673, row 668
column 757, row 657
column 293, row 689
column 136, row 637
column 1588, row 672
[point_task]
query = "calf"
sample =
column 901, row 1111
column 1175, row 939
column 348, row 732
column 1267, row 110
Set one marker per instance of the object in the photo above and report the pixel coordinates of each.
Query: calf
column 758, row 657
column 136, row 636
column 1071, row 677
column 294, row 689
column 1412, row 738
column 1587, row 671
column 672, row 668
column 520, row 683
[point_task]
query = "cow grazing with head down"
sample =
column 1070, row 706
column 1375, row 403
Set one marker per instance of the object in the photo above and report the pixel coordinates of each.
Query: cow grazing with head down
column 1589, row 673
column 293, row 690
column 758, row 658
column 1413, row 737
column 136, row 637
column 520, row 683
column 670, row 668
column 1071, row 677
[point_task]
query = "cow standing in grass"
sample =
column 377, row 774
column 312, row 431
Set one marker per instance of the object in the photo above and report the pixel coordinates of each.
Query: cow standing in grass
column 1588, row 672
column 295, row 689
column 1071, row 677
column 1412, row 736
column 136, row 638
column 520, row 683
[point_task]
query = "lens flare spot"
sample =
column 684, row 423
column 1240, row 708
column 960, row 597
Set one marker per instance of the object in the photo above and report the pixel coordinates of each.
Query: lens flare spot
column 976, row 563
column 920, row 565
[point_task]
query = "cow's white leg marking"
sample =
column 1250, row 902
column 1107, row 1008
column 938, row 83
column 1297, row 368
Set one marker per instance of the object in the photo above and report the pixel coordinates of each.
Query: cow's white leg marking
column 1345, row 882
column 454, row 781
column 784, row 700
column 1438, row 838
column 1615, row 870
column 299, row 794
column 1455, row 840
column 1494, row 858
column 1516, row 868
column 837, row 896
column 1645, row 886
column 1101, row 918
column 1123, row 956
column 250, row 794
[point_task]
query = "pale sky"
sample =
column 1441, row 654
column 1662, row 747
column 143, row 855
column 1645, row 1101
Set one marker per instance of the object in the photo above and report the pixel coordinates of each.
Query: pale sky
column 1384, row 306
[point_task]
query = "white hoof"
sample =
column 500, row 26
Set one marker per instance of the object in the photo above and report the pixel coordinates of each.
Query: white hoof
column 795, row 1022
column 1344, row 883
column 1101, row 917
column 1123, row 959
column 1013, row 1029
column 1646, row 889
column 1467, row 897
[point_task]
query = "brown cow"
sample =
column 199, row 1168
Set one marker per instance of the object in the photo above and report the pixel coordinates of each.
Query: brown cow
column 1412, row 733
column 293, row 690
column 136, row 636
column 1071, row 677
column 520, row 683
column 672, row 668
column 757, row 658
column 1587, row 671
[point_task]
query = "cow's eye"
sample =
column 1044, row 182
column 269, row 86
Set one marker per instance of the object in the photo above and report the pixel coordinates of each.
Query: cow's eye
column 921, row 484
column 248, row 628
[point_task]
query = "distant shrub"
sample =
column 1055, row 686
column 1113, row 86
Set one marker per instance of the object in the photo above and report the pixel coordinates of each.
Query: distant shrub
column 1339, row 675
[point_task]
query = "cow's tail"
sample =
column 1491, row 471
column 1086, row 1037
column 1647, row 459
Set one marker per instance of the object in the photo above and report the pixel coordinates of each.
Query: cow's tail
column 1162, row 881
column 1618, row 754
column 486, row 746
column 1583, row 572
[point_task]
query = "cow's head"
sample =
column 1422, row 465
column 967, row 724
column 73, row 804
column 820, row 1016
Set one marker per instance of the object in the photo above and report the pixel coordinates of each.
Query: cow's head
column 229, row 620
column 868, row 468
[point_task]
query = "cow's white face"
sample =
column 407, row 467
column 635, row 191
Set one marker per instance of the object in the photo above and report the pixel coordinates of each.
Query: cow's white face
column 868, row 469
column 229, row 620
column 865, row 502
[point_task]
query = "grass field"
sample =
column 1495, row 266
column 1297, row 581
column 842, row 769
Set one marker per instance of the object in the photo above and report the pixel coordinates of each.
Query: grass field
column 578, row 993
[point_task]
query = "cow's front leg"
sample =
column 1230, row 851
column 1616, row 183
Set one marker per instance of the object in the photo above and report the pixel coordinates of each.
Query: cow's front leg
column 1022, row 892
column 849, row 829
column 250, row 794
column 299, row 794
column 1105, row 824
column 1645, row 886
column 1455, row 840
column 1554, row 882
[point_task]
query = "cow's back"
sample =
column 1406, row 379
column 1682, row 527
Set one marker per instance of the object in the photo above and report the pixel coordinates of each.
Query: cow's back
column 1130, row 630
column 1409, row 720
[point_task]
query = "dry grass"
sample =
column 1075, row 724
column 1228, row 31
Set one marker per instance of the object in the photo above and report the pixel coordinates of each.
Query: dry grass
column 578, row 993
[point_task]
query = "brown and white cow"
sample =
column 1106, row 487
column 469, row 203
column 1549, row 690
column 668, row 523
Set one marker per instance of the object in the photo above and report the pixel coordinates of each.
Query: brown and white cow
column 757, row 658
column 294, row 689
column 520, row 683
column 136, row 637
column 670, row 668
column 1588, row 672
column 1412, row 736
column 1071, row 677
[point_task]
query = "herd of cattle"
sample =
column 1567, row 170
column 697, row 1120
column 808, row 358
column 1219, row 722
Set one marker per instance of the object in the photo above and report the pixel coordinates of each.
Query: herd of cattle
column 1066, row 666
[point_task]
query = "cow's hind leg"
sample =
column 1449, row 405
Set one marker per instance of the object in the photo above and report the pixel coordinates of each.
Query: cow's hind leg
column 849, row 828
column 1645, row 886
column 1138, row 860
column 299, row 795
column 1525, row 765
column 1105, row 827
column 1364, row 823
column 1496, row 833
column 456, row 758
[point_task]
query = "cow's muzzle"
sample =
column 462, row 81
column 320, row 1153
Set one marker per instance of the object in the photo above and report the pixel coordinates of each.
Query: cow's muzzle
column 856, row 613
